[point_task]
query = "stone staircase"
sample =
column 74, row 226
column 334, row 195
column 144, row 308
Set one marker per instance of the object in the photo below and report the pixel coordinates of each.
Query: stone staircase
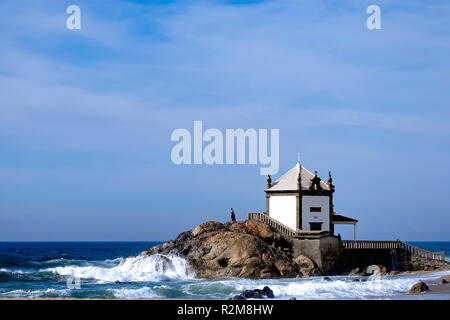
column 278, row 226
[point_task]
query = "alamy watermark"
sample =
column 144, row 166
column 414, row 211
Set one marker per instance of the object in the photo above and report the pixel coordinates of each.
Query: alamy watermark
column 374, row 282
column 190, row 150
column 73, row 282
column 73, row 21
column 374, row 20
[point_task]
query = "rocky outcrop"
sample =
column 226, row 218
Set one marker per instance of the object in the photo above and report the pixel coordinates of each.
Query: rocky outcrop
column 266, row 292
column 418, row 288
column 252, row 249
column 249, row 249
column 419, row 263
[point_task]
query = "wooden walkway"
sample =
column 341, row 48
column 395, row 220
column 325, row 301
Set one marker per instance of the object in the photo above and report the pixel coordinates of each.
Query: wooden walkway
column 350, row 244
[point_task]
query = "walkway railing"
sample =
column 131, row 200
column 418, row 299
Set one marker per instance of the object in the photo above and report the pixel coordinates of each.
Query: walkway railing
column 421, row 252
column 283, row 229
column 363, row 244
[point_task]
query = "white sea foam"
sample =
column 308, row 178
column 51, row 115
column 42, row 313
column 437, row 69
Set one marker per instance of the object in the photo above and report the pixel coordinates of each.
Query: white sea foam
column 11, row 271
column 341, row 289
column 308, row 288
column 144, row 292
column 315, row 287
column 34, row 293
column 157, row 269
column 282, row 288
column 141, row 268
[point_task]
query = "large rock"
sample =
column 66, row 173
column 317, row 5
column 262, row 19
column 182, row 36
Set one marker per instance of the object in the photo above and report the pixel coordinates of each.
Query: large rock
column 372, row 270
column 286, row 268
column 375, row 270
column 249, row 249
column 445, row 279
column 355, row 272
column 266, row 292
column 260, row 230
column 418, row 288
column 306, row 265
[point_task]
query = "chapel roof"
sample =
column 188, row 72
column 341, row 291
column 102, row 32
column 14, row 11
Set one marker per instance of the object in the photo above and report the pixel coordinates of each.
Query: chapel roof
column 288, row 181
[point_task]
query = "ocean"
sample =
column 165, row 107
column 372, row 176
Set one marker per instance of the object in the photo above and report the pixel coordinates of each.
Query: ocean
column 111, row 270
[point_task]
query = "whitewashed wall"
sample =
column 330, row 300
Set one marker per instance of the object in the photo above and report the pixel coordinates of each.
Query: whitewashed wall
column 282, row 208
column 324, row 216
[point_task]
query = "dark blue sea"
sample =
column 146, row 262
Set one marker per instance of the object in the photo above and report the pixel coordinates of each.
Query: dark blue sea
column 113, row 270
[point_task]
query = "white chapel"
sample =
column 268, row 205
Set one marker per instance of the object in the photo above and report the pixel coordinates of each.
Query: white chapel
column 303, row 202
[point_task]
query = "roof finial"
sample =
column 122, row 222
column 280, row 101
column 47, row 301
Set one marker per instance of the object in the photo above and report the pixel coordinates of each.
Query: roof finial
column 330, row 182
column 269, row 181
column 298, row 165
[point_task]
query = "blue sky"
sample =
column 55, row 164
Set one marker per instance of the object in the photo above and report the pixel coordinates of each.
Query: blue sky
column 86, row 115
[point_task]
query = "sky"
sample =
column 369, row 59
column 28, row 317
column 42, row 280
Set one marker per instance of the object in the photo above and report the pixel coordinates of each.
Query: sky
column 86, row 115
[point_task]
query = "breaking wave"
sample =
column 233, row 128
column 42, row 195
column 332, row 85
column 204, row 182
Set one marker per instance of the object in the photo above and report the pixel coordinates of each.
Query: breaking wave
column 47, row 293
column 141, row 268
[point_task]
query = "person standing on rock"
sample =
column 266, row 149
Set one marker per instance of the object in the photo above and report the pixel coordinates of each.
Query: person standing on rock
column 233, row 217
